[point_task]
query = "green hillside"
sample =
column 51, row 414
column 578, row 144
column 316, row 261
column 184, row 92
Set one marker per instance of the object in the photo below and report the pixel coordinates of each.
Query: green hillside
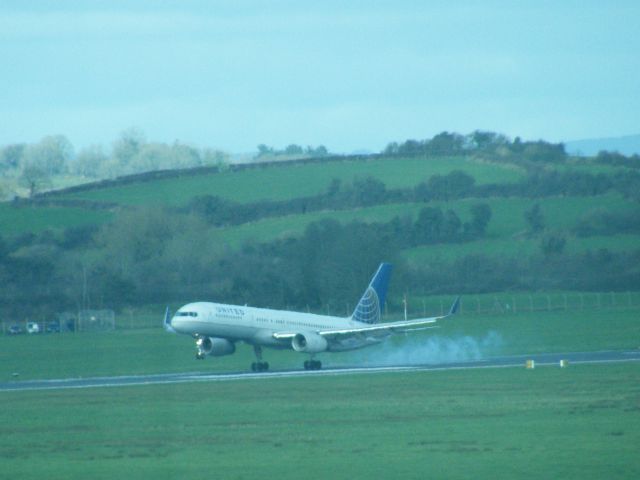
column 35, row 219
column 259, row 233
column 286, row 181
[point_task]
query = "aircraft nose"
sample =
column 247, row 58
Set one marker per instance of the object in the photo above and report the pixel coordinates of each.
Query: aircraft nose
column 175, row 321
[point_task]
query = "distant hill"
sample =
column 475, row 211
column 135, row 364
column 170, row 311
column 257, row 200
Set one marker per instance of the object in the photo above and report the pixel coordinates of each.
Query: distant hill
column 627, row 145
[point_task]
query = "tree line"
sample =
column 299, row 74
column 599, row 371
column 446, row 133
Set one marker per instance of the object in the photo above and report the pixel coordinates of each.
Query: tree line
column 153, row 255
column 292, row 151
column 34, row 165
column 369, row 191
column 481, row 143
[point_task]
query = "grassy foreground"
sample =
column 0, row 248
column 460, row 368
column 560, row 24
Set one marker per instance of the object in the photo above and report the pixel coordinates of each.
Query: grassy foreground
column 580, row 422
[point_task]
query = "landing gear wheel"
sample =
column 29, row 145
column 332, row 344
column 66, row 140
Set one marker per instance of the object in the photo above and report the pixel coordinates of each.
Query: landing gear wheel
column 312, row 365
column 260, row 366
column 199, row 356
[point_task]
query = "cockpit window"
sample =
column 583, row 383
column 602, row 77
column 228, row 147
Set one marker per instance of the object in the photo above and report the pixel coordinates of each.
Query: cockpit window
column 186, row 314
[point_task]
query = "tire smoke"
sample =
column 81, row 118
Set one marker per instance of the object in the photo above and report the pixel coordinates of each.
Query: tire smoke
column 431, row 350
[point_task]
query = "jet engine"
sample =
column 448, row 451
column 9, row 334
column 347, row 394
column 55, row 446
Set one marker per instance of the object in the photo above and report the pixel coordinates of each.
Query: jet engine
column 309, row 342
column 215, row 347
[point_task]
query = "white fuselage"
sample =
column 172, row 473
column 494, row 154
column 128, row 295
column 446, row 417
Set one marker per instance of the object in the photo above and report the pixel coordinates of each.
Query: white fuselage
column 257, row 326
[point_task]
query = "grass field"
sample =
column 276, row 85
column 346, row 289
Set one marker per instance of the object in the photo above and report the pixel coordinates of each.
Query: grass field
column 283, row 182
column 17, row 220
column 464, row 337
column 581, row 422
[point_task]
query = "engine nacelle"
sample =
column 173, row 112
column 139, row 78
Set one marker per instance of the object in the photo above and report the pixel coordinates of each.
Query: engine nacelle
column 309, row 342
column 215, row 347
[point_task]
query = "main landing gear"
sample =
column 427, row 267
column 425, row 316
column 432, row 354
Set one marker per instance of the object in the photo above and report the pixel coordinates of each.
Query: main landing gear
column 259, row 366
column 312, row 365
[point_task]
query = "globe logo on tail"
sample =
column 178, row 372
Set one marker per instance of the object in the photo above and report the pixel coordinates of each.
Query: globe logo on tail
column 368, row 308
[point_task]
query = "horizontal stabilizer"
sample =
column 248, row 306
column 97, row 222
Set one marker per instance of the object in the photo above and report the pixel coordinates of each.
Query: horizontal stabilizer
column 455, row 307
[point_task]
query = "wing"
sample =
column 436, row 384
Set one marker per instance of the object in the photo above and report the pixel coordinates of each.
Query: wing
column 384, row 329
column 379, row 329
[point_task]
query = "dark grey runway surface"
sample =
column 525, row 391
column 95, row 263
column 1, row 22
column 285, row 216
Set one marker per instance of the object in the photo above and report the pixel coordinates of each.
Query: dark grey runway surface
column 496, row 362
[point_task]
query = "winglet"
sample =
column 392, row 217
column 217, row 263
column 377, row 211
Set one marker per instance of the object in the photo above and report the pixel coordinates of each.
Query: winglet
column 167, row 321
column 455, row 307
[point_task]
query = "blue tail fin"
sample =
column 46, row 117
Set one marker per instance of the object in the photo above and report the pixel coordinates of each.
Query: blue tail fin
column 369, row 308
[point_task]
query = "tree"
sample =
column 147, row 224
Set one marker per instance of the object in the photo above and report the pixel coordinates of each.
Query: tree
column 293, row 149
column 542, row 151
column 34, row 178
column 89, row 161
column 453, row 185
column 368, row 191
column 264, row 150
column 487, row 141
column 534, row 219
column 128, row 146
column 428, row 226
column 211, row 156
column 320, row 151
column 334, row 187
column 391, row 149
column 451, row 225
column 446, row 143
column 11, row 156
column 552, row 244
column 51, row 154
column 480, row 216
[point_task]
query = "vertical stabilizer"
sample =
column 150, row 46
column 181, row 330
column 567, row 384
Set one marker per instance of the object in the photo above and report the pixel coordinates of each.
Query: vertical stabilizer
column 369, row 308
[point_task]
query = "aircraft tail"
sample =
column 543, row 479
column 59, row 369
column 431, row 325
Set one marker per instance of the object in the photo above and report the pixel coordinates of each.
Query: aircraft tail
column 369, row 308
column 167, row 321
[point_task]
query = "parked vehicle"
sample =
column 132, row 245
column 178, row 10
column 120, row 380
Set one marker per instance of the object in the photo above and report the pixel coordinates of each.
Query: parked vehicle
column 15, row 330
column 33, row 327
column 52, row 327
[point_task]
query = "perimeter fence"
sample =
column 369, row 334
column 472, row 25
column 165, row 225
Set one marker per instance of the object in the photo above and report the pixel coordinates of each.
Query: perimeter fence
column 417, row 306
column 505, row 303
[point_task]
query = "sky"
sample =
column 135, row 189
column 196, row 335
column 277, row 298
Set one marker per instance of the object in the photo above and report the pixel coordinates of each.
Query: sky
column 351, row 75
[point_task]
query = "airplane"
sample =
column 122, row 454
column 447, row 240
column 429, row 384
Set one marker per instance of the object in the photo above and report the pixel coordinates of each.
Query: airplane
column 218, row 327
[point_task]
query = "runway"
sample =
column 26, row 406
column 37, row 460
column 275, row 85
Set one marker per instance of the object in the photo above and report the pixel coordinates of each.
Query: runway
column 170, row 378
